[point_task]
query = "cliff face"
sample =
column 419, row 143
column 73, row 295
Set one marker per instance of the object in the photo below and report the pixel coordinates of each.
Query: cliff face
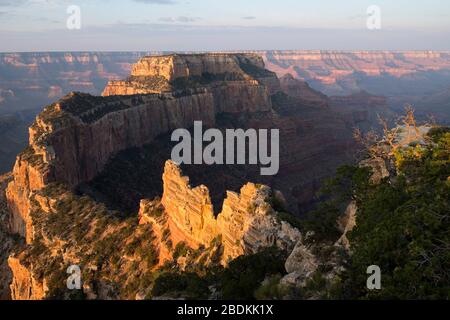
column 339, row 72
column 239, row 82
column 72, row 141
column 190, row 211
column 30, row 80
column 182, row 66
column 24, row 285
column 6, row 241
column 246, row 224
column 302, row 91
column 362, row 110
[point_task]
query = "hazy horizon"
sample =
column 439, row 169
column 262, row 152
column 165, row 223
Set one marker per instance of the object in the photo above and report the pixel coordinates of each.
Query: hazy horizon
column 200, row 25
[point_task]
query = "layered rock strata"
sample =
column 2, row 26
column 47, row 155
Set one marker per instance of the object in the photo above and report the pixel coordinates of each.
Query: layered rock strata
column 71, row 141
column 238, row 82
column 246, row 224
column 340, row 72
column 24, row 285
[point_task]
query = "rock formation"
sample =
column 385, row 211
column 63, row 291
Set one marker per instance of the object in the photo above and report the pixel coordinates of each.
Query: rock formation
column 238, row 83
column 24, row 285
column 246, row 224
column 340, row 72
column 363, row 110
column 6, row 241
column 301, row 90
column 346, row 223
column 300, row 266
column 72, row 141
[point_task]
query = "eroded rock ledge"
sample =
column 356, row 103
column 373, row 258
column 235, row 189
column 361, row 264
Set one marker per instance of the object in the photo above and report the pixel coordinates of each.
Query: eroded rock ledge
column 72, row 140
column 246, row 224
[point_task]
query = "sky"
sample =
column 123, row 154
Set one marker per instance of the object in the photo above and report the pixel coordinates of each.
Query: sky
column 212, row 25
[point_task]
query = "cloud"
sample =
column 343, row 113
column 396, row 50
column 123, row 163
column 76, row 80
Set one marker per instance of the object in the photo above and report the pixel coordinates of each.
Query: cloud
column 43, row 19
column 191, row 37
column 12, row 3
column 7, row 15
column 249, row 18
column 182, row 19
column 357, row 17
column 156, row 1
column 18, row 3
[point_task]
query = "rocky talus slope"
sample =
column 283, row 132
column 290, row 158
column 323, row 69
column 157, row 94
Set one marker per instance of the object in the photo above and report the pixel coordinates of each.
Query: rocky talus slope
column 73, row 141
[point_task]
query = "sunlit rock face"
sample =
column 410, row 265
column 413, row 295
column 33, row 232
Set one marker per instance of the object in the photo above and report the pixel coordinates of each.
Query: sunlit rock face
column 31, row 80
column 181, row 66
column 246, row 224
column 238, row 82
column 24, row 286
column 72, row 141
column 379, row 72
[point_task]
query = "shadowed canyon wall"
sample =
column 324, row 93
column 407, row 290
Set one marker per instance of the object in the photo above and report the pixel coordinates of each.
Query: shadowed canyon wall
column 29, row 81
column 71, row 140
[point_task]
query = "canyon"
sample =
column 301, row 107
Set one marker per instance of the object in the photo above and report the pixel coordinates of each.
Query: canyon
column 246, row 224
column 74, row 140
column 29, row 81
column 95, row 186
column 403, row 77
column 341, row 73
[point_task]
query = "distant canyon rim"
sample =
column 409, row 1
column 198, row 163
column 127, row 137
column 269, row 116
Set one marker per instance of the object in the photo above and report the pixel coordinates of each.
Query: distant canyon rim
column 354, row 81
column 96, row 186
